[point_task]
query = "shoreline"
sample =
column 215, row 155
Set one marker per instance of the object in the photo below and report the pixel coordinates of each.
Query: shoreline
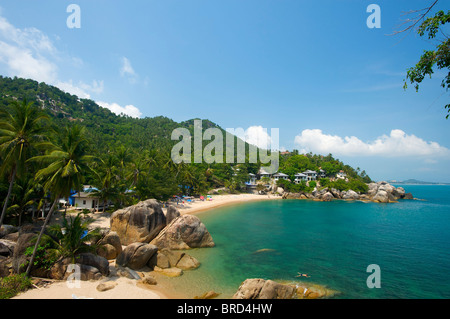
column 132, row 289
column 217, row 201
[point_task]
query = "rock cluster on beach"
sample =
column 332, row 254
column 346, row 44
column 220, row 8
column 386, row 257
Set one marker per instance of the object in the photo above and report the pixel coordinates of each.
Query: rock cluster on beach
column 147, row 223
column 139, row 223
column 380, row 192
column 141, row 237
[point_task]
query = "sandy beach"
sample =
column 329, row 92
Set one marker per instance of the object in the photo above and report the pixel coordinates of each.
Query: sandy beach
column 221, row 200
column 128, row 288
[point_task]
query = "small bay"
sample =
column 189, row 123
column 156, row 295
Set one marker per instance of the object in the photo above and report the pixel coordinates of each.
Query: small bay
column 333, row 243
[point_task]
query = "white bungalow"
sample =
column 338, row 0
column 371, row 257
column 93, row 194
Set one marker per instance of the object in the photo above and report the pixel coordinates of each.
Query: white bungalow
column 252, row 179
column 262, row 173
column 278, row 176
column 311, row 175
column 85, row 200
column 300, row 177
column 322, row 173
column 341, row 175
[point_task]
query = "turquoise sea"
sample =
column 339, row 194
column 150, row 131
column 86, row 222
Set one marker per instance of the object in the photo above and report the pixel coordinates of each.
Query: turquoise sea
column 332, row 242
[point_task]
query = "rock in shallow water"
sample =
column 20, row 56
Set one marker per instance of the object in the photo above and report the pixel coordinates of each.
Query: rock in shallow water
column 264, row 289
column 268, row 289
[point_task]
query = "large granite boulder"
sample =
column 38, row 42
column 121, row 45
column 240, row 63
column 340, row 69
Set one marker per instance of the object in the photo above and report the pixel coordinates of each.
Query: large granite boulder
column 184, row 232
column 383, row 192
column 264, row 289
column 381, row 197
column 96, row 261
column 7, row 247
column 20, row 260
column 6, row 230
column 139, row 223
column 350, row 195
column 5, row 266
column 327, row 197
column 109, row 246
column 166, row 258
column 90, row 267
column 171, row 214
column 136, row 255
column 336, row 193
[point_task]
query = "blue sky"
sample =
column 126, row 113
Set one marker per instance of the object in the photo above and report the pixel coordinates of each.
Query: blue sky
column 313, row 69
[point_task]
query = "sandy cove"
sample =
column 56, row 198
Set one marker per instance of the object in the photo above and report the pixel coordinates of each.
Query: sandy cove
column 128, row 288
column 221, row 200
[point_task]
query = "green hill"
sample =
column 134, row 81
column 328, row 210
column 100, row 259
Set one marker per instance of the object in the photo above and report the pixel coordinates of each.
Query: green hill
column 135, row 153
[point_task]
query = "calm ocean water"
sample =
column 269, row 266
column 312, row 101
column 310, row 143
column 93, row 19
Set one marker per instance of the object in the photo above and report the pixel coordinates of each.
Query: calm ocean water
column 332, row 242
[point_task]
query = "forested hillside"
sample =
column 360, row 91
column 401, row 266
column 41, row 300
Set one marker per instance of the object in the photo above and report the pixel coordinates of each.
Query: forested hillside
column 52, row 142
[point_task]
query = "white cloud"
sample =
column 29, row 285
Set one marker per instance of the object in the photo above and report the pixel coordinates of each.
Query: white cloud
column 129, row 110
column 29, row 53
column 258, row 136
column 82, row 89
column 127, row 70
column 397, row 144
column 69, row 87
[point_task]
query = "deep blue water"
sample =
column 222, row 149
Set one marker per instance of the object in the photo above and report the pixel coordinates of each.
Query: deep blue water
column 332, row 242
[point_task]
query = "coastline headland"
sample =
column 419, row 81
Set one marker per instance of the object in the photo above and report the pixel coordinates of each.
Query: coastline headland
column 380, row 192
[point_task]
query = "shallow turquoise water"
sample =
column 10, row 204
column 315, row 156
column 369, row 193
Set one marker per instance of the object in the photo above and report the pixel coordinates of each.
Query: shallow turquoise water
column 332, row 242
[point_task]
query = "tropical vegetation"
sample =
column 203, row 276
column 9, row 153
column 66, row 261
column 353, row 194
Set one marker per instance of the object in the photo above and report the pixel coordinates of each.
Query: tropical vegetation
column 53, row 143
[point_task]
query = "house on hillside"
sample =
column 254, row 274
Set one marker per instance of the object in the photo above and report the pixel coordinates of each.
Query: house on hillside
column 299, row 177
column 251, row 179
column 322, row 173
column 341, row 175
column 278, row 176
column 311, row 175
column 262, row 173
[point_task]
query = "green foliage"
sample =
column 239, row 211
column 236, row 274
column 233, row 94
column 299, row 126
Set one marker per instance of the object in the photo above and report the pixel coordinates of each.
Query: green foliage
column 295, row 163
column 73, row 237
column 45, row 257
column 295, row 188
column 440, row 57
column 341, row 185
column 12, row 285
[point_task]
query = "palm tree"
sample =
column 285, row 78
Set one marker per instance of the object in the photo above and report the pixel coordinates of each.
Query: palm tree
column 72, row 236
column 20, row 130
column 24, row 196
column 141, row 167
column 105, row 181
column 187, row 178
column 66, row 164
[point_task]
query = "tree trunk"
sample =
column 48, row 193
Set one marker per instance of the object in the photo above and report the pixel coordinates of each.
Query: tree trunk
column 20, row 218
column 104, row 205
column 33, row 213
column 30, row 265
column 5, row 206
